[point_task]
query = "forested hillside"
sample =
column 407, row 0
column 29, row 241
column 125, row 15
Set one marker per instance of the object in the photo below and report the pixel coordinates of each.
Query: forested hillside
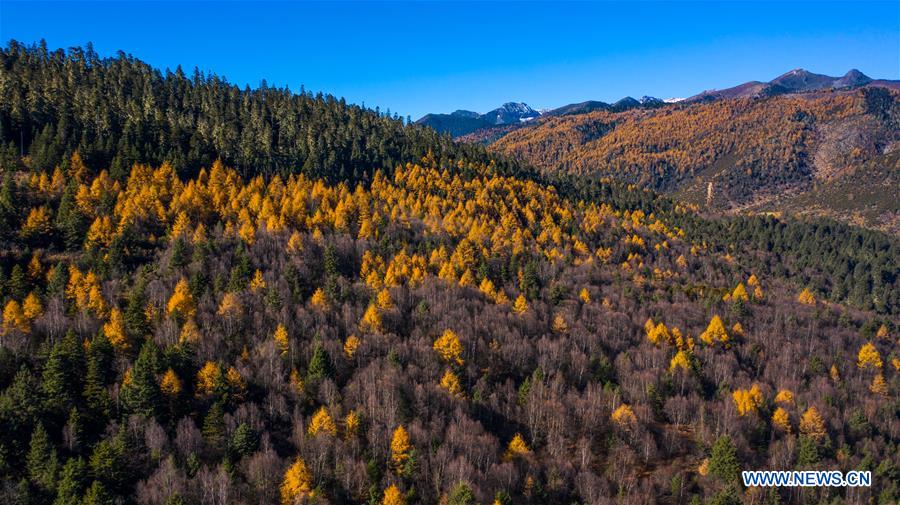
column 755, row 154
column 414, row 325
column 119, row 111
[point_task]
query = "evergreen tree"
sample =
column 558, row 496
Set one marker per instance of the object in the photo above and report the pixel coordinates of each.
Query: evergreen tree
column 42, row 463
column 723, row 462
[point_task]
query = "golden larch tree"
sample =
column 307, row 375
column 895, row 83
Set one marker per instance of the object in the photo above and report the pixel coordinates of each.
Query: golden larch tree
column 400, row 448
column 868, row 357
column 322, row 423
column 812, row 425
column 449, row 347
column 297, row 483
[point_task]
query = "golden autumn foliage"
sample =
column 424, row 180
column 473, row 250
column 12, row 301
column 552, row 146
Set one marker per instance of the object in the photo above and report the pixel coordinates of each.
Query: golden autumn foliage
column 371, row 320
column 14, row 318
column 400, row 448
column 785, row 397
column 182, row 302
column 879, row 386
column 31, row 307
column 318, row 299
column 100, row 234
column 257, row 282
column 806, row 297
column 321, row 423
column 868, row 357
column 516, row 448
column 281, row 339
column 393, row 496
column 449, row 348
column 584, row 295
column 351, row 344
column 352, row 423
column 715, row 332
column 170, row 384
column 190, row 332
column 296, row 484
column 521, row 305
column 114, row 329
column 747, row 401
column 781, row 421
column 37, row 224
column 384, row 300
column 450, row 382
column 812, row 425
column 681, row 361
column 560, row 325
column 208, row 378
column 624, row 416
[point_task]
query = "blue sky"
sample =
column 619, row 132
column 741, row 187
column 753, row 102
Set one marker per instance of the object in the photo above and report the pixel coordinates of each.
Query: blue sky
column 414, row 58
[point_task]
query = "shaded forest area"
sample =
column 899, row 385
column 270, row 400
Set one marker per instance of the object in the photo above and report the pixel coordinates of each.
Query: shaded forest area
column 446, row 330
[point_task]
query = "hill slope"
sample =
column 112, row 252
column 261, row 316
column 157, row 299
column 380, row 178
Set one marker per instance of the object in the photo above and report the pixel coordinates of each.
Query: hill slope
column 752, row 153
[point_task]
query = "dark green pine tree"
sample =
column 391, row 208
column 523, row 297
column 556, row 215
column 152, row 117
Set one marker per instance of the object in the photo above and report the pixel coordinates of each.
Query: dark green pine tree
column 136, row 324
column 97, row 495
column 807, row 452
column 62, row 374
column 41, row 462
column 214, row 426
column 96, row 395
column 71, row 223
column 72, row 481
column 108, row 464
column 142, row 395
column 319, row 365
column 723, row 462
column 243, row 442
column 8, row 223
column 17, row 286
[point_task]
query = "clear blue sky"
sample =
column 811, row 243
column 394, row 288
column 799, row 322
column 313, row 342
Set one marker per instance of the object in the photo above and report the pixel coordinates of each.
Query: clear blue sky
column 414, row 58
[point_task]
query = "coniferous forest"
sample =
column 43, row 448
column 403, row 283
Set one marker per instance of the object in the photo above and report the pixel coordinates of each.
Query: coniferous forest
column 215, row 295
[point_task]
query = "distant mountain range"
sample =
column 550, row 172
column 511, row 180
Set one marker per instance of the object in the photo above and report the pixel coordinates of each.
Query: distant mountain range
column 796, row 81
column 487, row 127
column 462, row 122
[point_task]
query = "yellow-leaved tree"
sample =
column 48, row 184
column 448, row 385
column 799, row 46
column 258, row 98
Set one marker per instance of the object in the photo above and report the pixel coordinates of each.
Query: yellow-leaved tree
column 806, row 297
column 114, row 329
column 393, row 496
column 181, row 303
column 14, row 318
column 521, row 305
column 450, row 382
column 170, row 384
column 624, row 416
column 351, row 344
column 281, row 339
column 868, row 357
column 449, row 347
column 812, row 425
column 321, row 423
column 400, row 449
column 516, row 448
column 781, row 421
column 297, row 483
column 715, row 332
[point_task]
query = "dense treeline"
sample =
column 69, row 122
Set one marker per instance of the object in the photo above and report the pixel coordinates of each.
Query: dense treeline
column 120, row 111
